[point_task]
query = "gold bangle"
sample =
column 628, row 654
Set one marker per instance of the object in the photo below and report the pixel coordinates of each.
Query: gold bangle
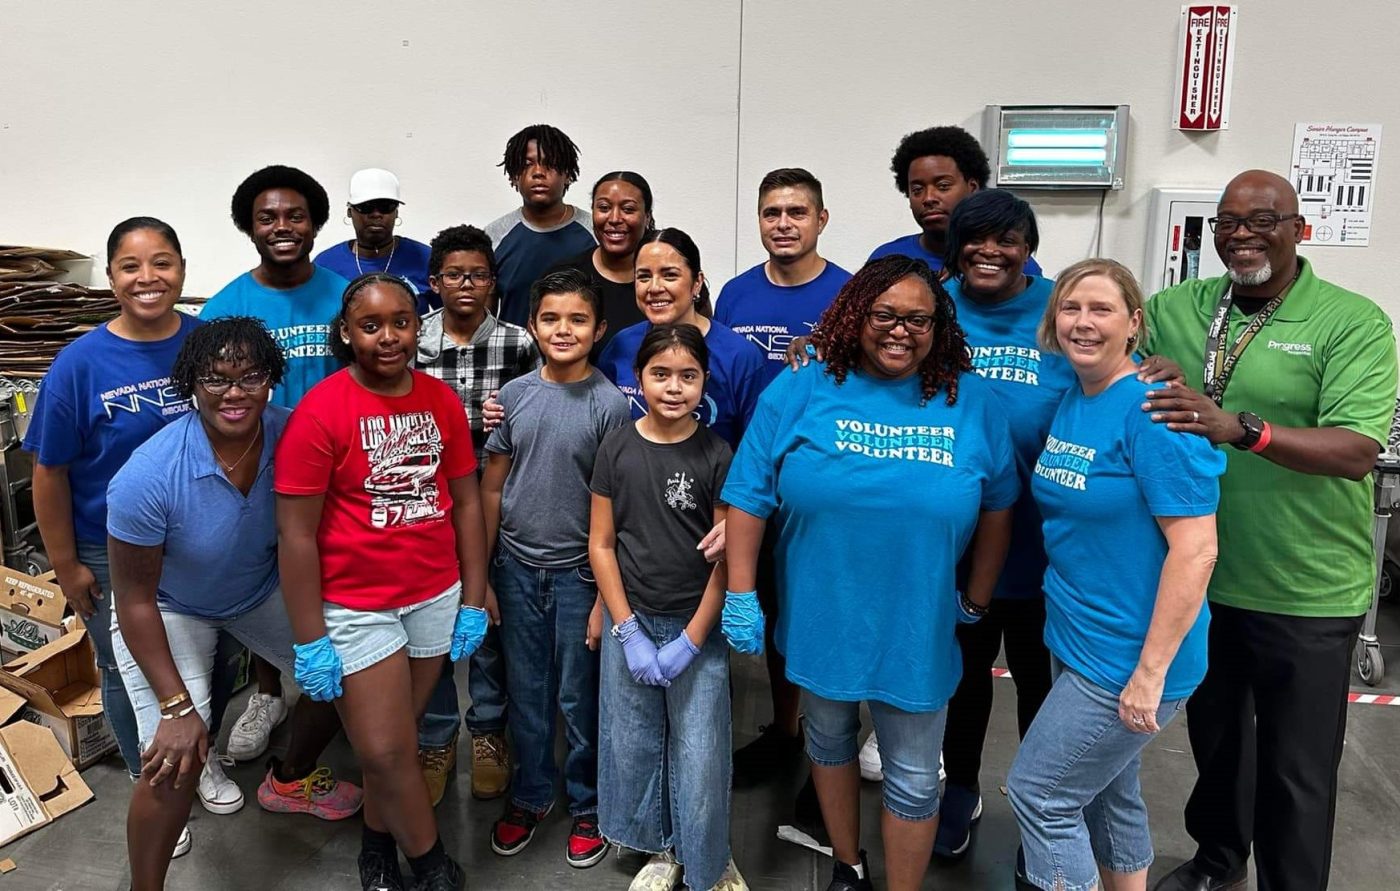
column 182, row 696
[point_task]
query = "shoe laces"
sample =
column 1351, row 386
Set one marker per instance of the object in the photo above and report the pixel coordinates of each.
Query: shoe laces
column 486, row 748
column 379, row 869
column 319, row 782
column 216, row 763
column 586, row 826
column 434, row 759
column 258, row 711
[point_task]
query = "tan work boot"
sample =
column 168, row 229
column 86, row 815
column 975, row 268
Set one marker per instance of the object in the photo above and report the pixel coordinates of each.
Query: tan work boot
column 490, row 766
column 438, row 766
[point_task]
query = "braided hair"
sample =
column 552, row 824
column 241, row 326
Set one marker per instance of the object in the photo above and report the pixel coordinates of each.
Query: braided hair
column 838, row 331
column 552, row 147
column 342, row 351
column 231, row 339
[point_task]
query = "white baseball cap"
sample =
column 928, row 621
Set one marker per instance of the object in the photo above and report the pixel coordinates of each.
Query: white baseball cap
column 374, row 184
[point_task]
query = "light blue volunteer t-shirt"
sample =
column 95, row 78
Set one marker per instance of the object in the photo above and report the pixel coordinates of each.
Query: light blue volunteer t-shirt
column 737, row 376
column 877, row 497
column 1030, row 383
column 911, row 246
column 770, row 315
column 1106, row 473
column 300, row 322
column 220, row 545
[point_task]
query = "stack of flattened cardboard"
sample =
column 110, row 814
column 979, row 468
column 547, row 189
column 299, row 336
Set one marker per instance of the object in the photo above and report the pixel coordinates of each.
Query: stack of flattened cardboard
column 40, row 316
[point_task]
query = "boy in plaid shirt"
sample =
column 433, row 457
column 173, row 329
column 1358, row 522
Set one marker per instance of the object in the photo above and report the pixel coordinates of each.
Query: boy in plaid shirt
column 475, row 353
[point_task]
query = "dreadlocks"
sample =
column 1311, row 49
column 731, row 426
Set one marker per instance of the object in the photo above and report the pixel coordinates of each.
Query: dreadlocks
column 552, row 148
column 838, row 330
column 231, row 339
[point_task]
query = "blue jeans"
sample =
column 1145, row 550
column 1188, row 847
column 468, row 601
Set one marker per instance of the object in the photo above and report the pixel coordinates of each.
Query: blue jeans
column 549, row 667
column 909, row 747
column 115, row 703
column 1074, row 786
column 486, row 683
column 664, row 769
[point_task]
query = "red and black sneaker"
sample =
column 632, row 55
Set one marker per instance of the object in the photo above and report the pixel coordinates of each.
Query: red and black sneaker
column 586, row 844
column 514, row 830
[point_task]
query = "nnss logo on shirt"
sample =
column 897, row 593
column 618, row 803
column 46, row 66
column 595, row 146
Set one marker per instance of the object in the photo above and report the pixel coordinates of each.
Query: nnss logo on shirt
column 1065, row 463
column 913, row 442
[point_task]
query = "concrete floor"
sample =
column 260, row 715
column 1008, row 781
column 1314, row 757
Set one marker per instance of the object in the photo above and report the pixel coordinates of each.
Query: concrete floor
column 86, row 850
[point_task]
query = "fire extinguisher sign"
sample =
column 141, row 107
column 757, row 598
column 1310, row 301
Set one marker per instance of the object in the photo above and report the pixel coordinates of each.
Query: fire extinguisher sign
column 1205, row 66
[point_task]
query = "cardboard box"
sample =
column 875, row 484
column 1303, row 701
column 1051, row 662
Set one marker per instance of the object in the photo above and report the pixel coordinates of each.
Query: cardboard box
column 31, row 612
column 38, row 783
column 62, row 691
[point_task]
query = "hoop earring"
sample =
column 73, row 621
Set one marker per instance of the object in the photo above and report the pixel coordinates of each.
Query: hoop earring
column 398, row 221
column 347, row 219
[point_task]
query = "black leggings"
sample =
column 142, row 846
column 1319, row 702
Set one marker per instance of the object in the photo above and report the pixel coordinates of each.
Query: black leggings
column 1022, row 624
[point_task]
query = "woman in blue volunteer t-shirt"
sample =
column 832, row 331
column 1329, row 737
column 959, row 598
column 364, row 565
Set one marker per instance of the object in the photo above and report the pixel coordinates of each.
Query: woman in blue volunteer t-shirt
column 1129, row 510
column 105, row 394
column 881, row 465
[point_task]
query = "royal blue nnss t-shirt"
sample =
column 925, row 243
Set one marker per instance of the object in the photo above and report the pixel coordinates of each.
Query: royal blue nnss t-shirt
column 1030, row 382
column 298, row 318
column 911, row 246
column 1106, row 474
column 737, row 377
column 408, row 260
column 103, row 397
column 770, row 315
column 877, row 497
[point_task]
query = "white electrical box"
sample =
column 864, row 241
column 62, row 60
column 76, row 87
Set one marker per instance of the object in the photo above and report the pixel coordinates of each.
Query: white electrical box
column 1180, row 244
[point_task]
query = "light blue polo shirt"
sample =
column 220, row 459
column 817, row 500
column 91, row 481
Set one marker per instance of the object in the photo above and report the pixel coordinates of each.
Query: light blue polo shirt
column 220, row 545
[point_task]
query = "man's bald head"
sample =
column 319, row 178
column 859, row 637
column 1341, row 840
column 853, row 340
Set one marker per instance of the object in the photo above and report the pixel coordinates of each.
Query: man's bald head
column 1260, row 263
column 1259, row 182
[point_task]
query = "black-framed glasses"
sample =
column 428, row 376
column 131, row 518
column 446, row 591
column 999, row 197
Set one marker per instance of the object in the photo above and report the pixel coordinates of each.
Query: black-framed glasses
column 455, row 279
column 883, row 320
column 384, row 206
column 1258, row 223
column 251, row 383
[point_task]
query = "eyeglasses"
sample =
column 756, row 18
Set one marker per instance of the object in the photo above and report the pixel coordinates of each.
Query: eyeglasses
column 250, row 383
column 454, row 279
column 1259, row 223
column 882, row 320
column 383, row 206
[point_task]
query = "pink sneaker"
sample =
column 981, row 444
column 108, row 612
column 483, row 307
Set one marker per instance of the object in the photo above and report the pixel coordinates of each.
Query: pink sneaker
column 319, row 794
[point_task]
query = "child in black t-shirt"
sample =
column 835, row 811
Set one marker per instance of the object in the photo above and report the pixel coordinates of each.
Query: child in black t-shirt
column 664, row 699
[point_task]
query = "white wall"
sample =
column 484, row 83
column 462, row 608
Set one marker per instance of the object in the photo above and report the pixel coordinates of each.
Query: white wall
column 112, row 110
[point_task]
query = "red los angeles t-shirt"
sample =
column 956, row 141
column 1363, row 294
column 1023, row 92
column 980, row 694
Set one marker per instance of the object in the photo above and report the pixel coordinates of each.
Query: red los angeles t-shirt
column 386, row 537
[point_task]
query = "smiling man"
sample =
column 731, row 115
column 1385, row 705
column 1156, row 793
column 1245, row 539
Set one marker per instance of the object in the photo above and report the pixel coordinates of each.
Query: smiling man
column 1298, row 375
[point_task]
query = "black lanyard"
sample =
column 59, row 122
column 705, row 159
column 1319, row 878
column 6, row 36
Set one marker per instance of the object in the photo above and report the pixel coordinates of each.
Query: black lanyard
column 1220, row 362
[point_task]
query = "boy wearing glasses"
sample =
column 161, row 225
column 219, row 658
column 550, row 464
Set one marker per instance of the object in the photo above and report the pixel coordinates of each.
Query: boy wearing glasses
column 475, row 353
column 373, row 211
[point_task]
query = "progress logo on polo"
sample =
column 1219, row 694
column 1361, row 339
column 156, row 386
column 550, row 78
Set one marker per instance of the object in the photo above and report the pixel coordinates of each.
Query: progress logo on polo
column 1065, row 463
column 909, row 442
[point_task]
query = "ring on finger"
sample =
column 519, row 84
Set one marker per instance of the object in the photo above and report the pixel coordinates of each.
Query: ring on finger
column 167, row 762
column 1195, row 417
column 1139, row 719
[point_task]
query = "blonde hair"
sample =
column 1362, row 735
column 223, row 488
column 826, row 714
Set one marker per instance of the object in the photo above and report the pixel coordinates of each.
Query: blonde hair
column 1070, row 278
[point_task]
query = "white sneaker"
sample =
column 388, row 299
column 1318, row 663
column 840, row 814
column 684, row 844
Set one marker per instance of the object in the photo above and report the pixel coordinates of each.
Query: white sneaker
column 218, row 793
column 661, row 873
column 182, row 845
column 869, row 758
column 254, row 727
column 731, row 880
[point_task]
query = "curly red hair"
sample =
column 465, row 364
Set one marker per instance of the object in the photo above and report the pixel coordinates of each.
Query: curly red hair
column 838, row 330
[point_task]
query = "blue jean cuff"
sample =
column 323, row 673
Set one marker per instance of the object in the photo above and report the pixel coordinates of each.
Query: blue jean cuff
column 373, row 658
column 908, row 817
column 591, row 811
column 1052, row 886
column 486, row 731
column 429, row 652
column 539, row 810
column 826, row 762
column 1127, row 868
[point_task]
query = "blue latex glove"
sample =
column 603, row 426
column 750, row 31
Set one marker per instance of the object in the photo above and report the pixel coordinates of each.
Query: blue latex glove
column 641, row 654
column 676, row 656
column 469, row 631
column 318, row 670
column 965, row 615
column 742, row 622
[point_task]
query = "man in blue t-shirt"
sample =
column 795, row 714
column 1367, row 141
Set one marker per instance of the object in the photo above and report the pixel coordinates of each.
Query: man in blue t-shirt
column 281, row 209
column 935, row 169
column 373, row 211
column 541, row 163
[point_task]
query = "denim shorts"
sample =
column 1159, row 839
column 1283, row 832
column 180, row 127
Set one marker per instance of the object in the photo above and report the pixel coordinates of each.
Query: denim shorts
column 197, row 644
column 364, row 637
column 909, row 747
column 1074, row 786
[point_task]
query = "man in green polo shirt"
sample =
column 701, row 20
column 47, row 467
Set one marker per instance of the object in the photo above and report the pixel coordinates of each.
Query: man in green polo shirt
column 1299, row 377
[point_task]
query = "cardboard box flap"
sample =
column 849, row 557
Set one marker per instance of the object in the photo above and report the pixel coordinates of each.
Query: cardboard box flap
column 78, row 700
column 10, row 704
column 49, row 773
column 29, row 595
column 32, row 662
column 59, row 678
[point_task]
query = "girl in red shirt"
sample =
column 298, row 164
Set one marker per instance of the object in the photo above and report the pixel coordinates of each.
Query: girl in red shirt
column 381, row 548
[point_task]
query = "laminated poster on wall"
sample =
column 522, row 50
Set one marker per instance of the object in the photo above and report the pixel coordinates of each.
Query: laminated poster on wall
column 1334, row 171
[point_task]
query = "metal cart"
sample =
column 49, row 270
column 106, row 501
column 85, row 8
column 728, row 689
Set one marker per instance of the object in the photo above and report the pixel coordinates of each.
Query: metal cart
column 1370, row 664
column 18, row 528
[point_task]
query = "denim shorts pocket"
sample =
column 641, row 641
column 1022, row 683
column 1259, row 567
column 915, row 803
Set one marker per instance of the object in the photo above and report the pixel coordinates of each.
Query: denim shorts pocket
column 585, row 575
column 499, row 558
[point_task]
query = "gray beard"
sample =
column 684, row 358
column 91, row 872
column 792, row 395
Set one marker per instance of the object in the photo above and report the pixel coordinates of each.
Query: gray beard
column 1252, row 279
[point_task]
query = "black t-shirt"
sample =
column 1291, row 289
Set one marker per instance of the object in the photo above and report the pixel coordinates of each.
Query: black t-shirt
column 663, row 497
column 619, row 299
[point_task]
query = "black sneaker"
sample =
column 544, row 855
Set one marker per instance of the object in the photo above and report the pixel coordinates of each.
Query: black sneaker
column 843, row 877
column 514, row 830
column 1023, row 882
column 446, row 877
column 379, row 871
column 763, row 758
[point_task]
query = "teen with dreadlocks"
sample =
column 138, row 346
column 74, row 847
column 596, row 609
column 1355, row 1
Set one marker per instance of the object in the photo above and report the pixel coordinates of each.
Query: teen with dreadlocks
column 891, row 446
column 541, row 163
column 192, row 538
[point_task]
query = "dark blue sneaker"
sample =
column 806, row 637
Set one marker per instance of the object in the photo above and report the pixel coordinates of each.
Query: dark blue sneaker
column 960, row 808
column 1023, row 882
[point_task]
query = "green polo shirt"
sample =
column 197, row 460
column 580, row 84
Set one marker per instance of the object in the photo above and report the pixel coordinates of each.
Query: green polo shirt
column 1291, row 543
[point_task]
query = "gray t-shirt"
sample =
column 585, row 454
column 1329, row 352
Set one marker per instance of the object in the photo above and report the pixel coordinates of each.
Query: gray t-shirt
column 663, row 497
column 552, row 433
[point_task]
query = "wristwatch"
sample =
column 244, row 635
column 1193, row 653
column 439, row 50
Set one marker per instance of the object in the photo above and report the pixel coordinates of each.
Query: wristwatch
column 1253, row 429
